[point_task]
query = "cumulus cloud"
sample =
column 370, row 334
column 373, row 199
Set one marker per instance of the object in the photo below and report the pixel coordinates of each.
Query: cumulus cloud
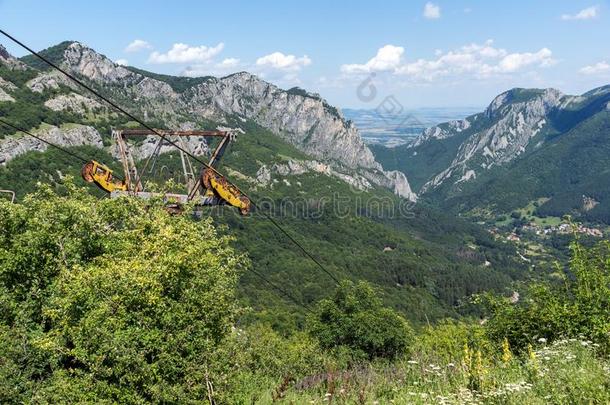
column 432, row 11
column 387, row 59
column 479, row 60
column 584, row 14
column 229, row 63
column 279, row 61
column 517, row 61
column 596, row 69
column 183, row 53
column 122, row 62
column 137, row 45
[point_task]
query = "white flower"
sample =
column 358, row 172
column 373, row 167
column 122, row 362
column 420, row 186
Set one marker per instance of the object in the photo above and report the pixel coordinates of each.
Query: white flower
column 542, row 340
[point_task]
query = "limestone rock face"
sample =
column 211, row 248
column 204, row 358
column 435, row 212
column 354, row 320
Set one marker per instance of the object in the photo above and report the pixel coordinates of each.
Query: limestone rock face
column 73, row 135
column 49, row 81
column 303, row 119
column 94, row 66
column 442, row 132
column 9, row 60
column 4, row 96
column 74, row 102
column 513, row 119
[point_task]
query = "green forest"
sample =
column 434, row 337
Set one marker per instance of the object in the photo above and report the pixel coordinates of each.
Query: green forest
column 324, row 293
column 117, row 301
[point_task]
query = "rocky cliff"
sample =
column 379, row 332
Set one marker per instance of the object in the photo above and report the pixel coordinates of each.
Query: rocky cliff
column 495, row 137
column 71, row 135
column 303, row 119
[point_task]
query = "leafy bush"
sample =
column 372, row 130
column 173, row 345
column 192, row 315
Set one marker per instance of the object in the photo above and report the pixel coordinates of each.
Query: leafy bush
column 577, row 307
column 109, row 300
column 444, row 342
column 355, row 318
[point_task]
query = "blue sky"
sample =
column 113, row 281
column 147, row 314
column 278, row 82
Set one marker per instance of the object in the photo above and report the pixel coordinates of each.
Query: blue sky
column 425, row 54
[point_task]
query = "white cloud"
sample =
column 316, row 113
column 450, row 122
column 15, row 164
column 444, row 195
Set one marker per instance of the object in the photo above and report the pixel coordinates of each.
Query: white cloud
column 137, row 45
column 183, row 53
column 432, row 11
column 122, row 62
column 478, row 60
column 387, row 58
column 279, row 61
column 228, row 63
column 518, row 61
column 584, row 14
column 598, row 68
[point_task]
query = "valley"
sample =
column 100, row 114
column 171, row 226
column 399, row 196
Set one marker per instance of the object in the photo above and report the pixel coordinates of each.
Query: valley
column 427, row 271
column 441, row 255
column 378, row 127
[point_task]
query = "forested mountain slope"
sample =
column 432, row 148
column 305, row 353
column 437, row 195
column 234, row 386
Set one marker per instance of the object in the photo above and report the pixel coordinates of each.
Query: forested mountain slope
column 297, row 156
column 529, row 144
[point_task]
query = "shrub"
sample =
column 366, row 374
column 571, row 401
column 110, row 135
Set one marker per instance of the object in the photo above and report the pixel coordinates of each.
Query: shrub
column 109, row 300
column 515, row 215
column 578, row 307
column 355, row 318
column 444, row 342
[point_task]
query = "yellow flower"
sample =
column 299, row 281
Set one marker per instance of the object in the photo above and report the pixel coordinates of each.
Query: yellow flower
column 506, row 353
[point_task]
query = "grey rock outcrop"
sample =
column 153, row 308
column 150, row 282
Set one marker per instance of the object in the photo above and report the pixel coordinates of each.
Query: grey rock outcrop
column 74, row 102
column 49, row 81
column 303, row 119
column 443, row 131
column 4, row 96
column 72, row 135
column 512, row 125
column 9, row 60
column 94, row 66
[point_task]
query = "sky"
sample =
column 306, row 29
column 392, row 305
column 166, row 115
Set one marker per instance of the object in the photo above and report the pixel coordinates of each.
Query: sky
column 355, row 54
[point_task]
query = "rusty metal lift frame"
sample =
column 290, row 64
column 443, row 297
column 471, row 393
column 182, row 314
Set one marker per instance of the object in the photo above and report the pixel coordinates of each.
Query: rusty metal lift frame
column 209, row 188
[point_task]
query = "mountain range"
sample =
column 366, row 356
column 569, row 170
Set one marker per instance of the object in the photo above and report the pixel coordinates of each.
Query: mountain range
column 294, row 153
column 529, row 145
column 303, row 119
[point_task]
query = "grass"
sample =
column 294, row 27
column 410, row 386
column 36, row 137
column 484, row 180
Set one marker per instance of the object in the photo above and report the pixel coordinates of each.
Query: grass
column 527, row 213
column 566, row 372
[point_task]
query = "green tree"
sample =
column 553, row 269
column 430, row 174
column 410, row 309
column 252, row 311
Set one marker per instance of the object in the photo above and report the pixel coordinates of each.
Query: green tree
column 355, row 318
column 578, row 306
column 110, row 300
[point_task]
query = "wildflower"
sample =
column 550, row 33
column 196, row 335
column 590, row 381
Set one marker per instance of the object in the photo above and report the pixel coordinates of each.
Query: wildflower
column 506, row 353
column 530, row 352
column 533, row 360
column 467, row 357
